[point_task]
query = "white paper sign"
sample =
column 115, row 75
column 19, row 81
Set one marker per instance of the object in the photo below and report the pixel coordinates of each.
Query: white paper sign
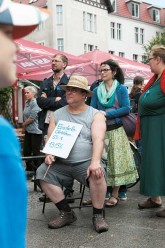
column 62, row 139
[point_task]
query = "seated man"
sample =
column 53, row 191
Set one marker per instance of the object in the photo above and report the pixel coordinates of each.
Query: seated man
column 84, row 160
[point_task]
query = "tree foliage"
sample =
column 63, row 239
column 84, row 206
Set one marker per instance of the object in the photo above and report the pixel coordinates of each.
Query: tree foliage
column 6, row 102
column 158, row 40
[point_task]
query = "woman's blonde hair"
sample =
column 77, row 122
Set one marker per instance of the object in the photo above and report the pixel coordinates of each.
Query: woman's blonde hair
column 32, row 89
column 159, row 51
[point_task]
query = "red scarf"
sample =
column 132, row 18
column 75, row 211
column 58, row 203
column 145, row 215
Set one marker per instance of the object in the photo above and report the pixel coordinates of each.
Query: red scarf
column 137, row 135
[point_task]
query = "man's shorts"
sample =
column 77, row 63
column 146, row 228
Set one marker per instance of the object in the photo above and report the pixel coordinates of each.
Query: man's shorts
column 63, row 174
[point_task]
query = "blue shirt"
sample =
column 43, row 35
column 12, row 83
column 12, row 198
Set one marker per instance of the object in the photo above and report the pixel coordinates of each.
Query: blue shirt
column 13, row 190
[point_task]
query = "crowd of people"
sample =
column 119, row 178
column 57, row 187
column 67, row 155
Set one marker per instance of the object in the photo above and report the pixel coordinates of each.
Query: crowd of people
column 99, row 111
column 61, row 98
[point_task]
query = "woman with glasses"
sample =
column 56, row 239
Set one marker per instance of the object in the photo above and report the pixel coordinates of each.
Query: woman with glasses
column 111, row 97
column 151, row 130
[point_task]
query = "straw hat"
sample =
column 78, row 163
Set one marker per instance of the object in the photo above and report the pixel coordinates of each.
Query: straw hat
column 78, row 82
column 22, row 17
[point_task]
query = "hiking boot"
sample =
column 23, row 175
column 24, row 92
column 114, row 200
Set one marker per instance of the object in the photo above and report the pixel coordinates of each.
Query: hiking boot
column 65, row 218
column 99, row 223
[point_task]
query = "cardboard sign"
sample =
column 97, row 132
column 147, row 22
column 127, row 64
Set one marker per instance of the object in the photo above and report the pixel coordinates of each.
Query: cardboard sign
column 62, row 139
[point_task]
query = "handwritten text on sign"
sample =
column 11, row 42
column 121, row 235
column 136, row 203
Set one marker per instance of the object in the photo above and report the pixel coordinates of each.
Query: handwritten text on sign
column 62, row 139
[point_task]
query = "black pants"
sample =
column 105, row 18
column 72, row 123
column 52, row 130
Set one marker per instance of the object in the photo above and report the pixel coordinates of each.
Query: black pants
column 31, row 147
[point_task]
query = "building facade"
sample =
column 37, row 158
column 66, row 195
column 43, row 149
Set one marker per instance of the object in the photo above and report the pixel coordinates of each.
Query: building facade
column 121, row 27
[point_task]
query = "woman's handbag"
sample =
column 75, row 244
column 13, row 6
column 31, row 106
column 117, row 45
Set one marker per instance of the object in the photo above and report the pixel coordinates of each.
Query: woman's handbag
column 129, row 124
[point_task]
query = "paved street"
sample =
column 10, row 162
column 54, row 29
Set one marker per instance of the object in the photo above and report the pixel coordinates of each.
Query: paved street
column 128, row 226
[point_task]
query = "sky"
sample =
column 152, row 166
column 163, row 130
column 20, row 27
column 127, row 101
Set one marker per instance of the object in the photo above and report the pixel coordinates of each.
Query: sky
column 159, row 3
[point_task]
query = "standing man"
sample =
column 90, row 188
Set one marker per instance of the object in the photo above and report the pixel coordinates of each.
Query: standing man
column 13, row 189
column 51, row 96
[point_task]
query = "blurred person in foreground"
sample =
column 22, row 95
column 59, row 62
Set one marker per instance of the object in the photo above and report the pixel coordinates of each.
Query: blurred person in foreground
column 14, row 23
column 86, row 167
column 151, row 129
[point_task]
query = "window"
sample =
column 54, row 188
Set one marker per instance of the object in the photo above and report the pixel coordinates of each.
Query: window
column 94, row 24
column 136, row 35
column 156, row 15
column 115, row 31
column 111, row 52
column 59, row 14
column 60, row 44
column 40, row 27
column 139, row 35
column 135, row 57
column 112, row 30
column 85, row 48
column 113, row 3
column 118, row 31
column 84, row 20
column 90, row 47
column 121, row 54
column 135, row 10
column 144, row 58
column 89, row 22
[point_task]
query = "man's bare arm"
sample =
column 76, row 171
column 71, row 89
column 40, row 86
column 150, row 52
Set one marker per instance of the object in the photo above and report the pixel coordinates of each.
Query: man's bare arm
column 98, row 130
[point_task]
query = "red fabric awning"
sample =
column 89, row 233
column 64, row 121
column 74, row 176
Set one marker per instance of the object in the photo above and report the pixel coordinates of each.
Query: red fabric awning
column 91, row 69
column 34, row 60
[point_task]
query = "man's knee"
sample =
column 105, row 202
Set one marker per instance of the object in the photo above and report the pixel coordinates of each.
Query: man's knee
column 97, row 181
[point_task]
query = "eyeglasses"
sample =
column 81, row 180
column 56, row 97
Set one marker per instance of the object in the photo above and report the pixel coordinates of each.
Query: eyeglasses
column 104, row 70
column 72, row 89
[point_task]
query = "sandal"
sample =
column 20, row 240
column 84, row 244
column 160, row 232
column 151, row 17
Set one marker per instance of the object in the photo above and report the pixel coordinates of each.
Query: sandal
column 87, row 201
column 149, row 203
column 112, row 202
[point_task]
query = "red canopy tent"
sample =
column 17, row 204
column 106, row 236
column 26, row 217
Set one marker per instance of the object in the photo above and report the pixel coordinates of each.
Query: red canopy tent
column 34, row 60
column 91, row 69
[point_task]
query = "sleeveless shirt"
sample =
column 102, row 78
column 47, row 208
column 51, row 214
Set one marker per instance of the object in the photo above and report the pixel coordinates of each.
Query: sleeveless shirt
column 82, row 149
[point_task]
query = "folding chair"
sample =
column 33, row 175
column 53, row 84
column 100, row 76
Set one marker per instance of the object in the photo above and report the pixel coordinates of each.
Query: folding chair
column 82, row 190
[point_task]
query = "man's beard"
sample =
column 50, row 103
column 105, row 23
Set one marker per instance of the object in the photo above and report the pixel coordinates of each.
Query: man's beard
column 56, row 70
